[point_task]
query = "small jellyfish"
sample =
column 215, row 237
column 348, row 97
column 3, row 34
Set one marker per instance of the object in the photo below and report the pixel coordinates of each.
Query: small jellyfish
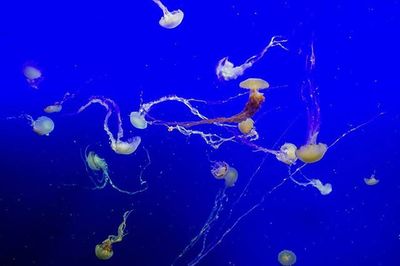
column 33, row 75
column 246, row 126
column 231, row 177
column 287, row 257
column 55, row 108
column 323, row 189
column 126, row 147
column 43, row 125
column 287, row 154
column 312, row 152
column 104, row 250
column 372, row 180
column 138, row 120
column 219, row 169
column 254, row 84
column 169, row 20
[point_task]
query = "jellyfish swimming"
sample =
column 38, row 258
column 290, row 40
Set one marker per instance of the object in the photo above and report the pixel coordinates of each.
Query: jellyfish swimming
column 33, row 75
column 43, row 125
column 231, row 177
column 246, row 126
column 117, row 145
column 99, row 173
column 287, row 154
column 372, row 180
column 169, row 20
column 287, row 257
column 138, row 120
column 57, row 106
column 312, row 151
column 219, row 169
column 104, row 251
column 226, row 70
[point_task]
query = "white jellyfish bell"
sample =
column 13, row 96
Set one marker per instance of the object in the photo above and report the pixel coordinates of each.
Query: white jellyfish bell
column 138, row 120
column 43, row 125
column 126, row 147
column 169, row 20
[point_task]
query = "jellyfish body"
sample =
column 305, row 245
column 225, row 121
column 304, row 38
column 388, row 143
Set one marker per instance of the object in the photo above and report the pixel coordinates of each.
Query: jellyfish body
column 246, row 126
column 55, row 108
column 219, row 169
column 95, row 162
column 33, row 75
column 43, row 125
column 126, row 147
column 287, row 257
column 312, row 152
column 287, row 154
column 372, row 180
column 231, row 177
column 169, row 20
column 138, row 120
column 323, row 189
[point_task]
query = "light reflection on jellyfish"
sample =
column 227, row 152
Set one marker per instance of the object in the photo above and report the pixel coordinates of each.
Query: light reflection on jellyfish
column 169, row 20
column 117, row 145
column 33, row 75
column 226, row 70
column 287, row 258
column 99, row 173
column 104, row 250
column 57, row 106
column 220, row 170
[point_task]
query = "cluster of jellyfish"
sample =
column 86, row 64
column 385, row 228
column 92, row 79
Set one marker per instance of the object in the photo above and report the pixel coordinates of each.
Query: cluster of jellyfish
column 312, row 151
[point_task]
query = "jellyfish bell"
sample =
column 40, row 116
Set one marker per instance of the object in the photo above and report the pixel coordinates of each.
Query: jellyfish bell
column 43, row 125
column 246, row 126
column 254, row 84
column 323, row 189
column 55, row 108
column 104, row 250
column 126, row 147
column 371, row 181
column 311, row 153
column 31, row 72
column 219, row 169
column 138, row 120
column 231, row 177
column 95, row 162
column 287, row 257
column 287, row 154
column 171, row 20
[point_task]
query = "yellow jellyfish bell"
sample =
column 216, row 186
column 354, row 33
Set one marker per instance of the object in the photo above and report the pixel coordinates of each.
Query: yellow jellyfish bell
column 43, row 125
column 138, row 120
column 126, row 147
column 246, row 126
column 231, row 177
column 254, row 84
column 287, row 257
column 311, row 153
column 104, row 250
column 53, row 108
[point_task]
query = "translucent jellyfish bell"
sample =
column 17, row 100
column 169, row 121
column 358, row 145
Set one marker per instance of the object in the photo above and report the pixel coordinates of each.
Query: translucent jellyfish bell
column 126, row 147
column 324, row 189
column 43, row 125
column 169, row 20
column 246, row 126
column 138, row 120
column 287, row 257
column 231, row 177
column 104, row 251
column 53, row 108
column 254, row 84
column 95, row 162
column 287, row 153
column 32, row 73
column 311, row 153
column 372, row 180
column 219, row 169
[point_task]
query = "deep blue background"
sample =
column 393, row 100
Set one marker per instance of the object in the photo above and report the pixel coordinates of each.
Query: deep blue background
column 117, row 49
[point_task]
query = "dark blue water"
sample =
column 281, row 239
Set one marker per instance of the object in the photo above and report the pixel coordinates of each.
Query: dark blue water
column 50, row 216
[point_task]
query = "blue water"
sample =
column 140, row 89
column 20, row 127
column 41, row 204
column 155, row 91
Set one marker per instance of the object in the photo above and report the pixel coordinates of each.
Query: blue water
column 50, row 216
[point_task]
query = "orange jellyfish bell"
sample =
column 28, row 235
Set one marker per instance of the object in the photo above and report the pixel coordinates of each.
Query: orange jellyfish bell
column 246, row 126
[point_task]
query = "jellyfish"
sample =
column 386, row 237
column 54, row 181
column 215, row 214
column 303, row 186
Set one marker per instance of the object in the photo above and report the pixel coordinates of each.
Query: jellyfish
column 138, row 120
column 287, row 257
column 231, row 177
column 99, row 165
column 219, row 169
column 246, row 126
column 324, row 189
column 312, row 151
column 57, row 106
column 104, row 250
column 287, row 154
column 43, row 125
column 226, row 70
column 372, row 180
column 117, row 145
column 169, row 20
column 33, row 75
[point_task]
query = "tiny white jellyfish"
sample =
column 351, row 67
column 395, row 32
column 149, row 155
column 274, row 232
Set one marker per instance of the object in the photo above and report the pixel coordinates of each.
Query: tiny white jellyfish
column 55, row 108
column 43, row 125
column 323, row 189
column 126, row 147
column 372, row 180
column 169, row 20
column 33, row 75
column 287, row 154
column 287, row 257
column 138, row 120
